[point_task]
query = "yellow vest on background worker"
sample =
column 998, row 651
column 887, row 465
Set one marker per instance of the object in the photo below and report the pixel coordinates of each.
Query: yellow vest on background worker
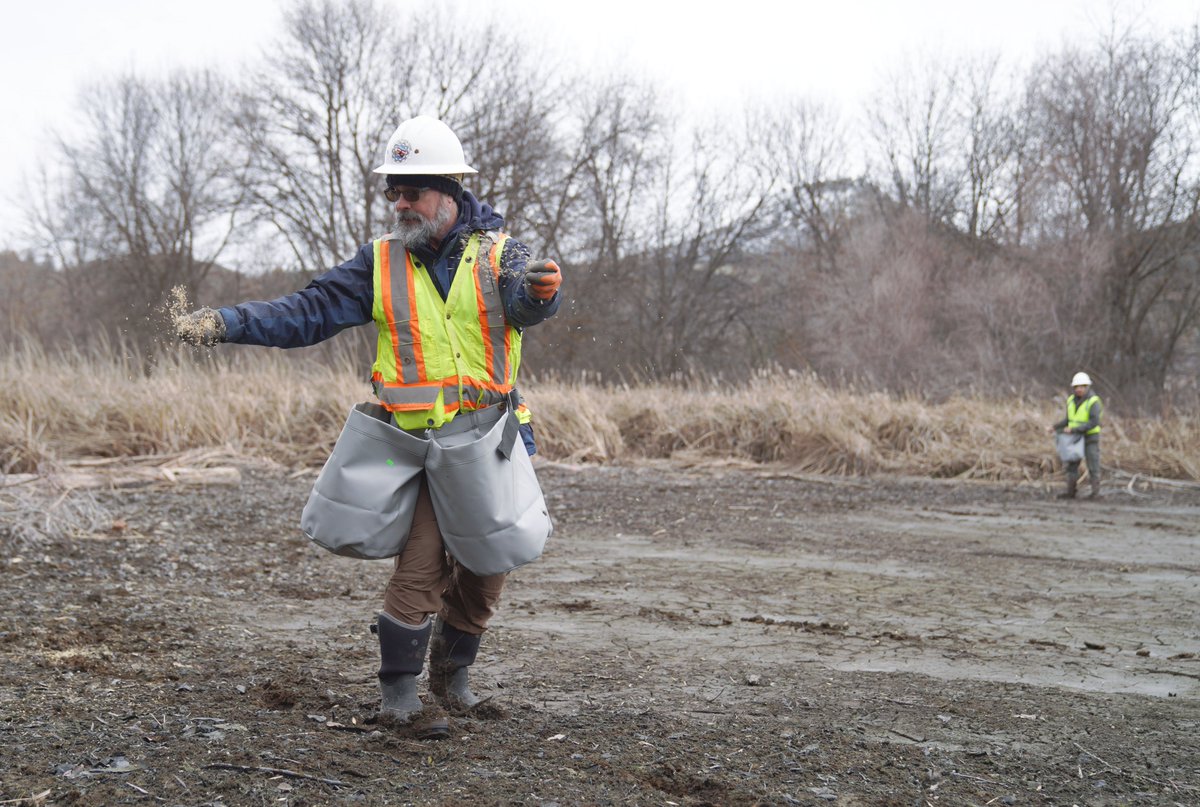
column 1078, row 416
column 435, row 357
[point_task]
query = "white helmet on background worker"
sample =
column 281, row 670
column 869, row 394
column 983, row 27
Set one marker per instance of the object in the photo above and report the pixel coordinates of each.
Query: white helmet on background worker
column 424, row 146
column 1081, row 380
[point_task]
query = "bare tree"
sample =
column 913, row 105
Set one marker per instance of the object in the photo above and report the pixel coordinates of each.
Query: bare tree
column 313, row 121
column 661, row 229
column 143, row 193
column 993, row 144
column 1121, row 182
column 700, row 278
column 804, row 145
column 913, row 124
column 602, row 215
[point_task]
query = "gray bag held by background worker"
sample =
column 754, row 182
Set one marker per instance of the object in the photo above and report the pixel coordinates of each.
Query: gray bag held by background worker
column 1070, row 446
column 363, row 501
column 489, row 505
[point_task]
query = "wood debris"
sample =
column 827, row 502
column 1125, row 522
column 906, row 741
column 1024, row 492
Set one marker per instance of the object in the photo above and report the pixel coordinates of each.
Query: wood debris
column 188, row 468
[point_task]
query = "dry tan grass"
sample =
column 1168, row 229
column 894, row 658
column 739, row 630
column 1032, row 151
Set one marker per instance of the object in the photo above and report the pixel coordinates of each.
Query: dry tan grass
column 262, row 403
column 61, row 406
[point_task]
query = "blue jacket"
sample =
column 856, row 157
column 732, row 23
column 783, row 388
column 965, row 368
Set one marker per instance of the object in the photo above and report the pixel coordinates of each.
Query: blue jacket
column 345, row 295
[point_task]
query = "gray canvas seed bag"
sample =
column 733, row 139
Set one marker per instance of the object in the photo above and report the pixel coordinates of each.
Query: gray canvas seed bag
column 1070, row 446
column 362, row 503
column 489, row 505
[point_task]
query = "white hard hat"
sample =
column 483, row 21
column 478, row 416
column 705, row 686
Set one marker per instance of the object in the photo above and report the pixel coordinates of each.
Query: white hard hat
column 424, row 145
column 1081, row 380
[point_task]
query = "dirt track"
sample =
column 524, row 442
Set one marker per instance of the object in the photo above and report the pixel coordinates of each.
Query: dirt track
column 693, row 636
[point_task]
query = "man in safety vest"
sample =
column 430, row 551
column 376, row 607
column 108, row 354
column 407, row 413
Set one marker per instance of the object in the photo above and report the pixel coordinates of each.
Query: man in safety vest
column 450, row 295
column 1084, row 409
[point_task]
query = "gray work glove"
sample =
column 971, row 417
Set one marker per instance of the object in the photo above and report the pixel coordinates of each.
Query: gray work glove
column 204, row 327
column 542, row 279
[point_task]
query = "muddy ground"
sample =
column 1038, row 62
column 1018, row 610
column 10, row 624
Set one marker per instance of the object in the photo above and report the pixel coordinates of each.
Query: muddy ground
column 692, row 636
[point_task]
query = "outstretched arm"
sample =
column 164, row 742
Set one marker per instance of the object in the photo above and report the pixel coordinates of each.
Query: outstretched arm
column 339, row 299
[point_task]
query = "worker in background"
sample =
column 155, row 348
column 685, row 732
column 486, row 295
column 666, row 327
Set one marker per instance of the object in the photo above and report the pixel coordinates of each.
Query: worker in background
column 450, row 295
column 1084, row 409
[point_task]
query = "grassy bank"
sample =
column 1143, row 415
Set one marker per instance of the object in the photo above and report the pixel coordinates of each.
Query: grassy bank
column 263, row 403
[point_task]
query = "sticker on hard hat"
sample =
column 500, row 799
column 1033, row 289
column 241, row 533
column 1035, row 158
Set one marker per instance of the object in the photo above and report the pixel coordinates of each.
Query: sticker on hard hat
column 400, row 151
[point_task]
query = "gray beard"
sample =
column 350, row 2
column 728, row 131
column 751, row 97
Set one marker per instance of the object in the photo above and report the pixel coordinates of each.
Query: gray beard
column 415, row 231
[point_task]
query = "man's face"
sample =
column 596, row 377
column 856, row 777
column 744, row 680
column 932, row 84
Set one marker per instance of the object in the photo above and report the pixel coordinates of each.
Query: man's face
column 424, row 221
column 1080, row 391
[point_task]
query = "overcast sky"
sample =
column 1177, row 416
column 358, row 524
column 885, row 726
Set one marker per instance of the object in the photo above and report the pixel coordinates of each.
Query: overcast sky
column 706, row 52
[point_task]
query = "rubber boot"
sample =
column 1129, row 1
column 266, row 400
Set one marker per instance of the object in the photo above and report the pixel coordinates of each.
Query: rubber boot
column 1069, row 493
column 451, row 653
column 1095, row 494
column 402, row 655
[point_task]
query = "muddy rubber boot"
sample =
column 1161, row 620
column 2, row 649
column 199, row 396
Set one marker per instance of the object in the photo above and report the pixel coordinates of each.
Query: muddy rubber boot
column 402, row 655
column 1069, row 493
column 1095, row 494
column 451, row 652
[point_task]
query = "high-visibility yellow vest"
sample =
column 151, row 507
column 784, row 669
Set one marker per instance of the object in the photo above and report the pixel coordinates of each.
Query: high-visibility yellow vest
column 435, row 357
column 1079, row 415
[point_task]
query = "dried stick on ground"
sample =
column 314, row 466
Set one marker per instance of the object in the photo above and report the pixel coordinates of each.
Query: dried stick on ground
column 275, row 771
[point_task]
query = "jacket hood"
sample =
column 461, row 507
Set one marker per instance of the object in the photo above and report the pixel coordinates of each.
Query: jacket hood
column 475, row 215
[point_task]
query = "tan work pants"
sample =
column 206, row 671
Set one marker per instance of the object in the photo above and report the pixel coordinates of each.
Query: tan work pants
column 429, row 581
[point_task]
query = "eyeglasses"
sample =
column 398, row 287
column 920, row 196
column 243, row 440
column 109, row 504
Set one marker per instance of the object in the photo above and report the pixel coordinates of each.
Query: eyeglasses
column 411, row 195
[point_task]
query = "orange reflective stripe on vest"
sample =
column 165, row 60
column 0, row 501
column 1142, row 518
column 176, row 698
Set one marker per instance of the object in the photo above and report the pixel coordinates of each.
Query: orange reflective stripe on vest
column 493, row 328
column 405, row 337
